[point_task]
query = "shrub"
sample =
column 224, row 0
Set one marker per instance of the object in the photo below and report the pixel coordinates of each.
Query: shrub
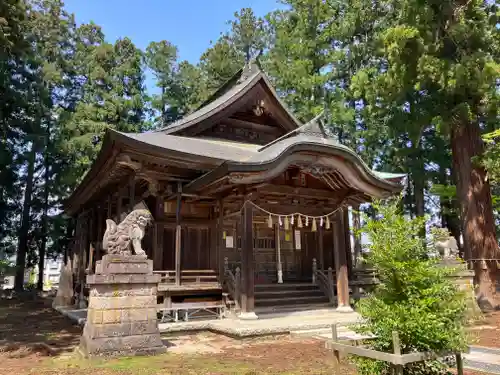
column 414, row 296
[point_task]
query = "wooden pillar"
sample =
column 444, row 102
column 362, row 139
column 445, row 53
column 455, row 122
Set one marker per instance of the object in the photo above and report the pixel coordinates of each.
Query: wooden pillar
column 70, row 233
column 341, row 266
column 158, row 248
column 219, row 243
column 214, row 254
column 100, row 231
column 321, row 249
column 356, row 226
column 92, row 239
column 247, row 264
column 119, row 207
column 131, row 195
column 109, row 211
column 347, row 239
column 178, row 233
column 279, row 265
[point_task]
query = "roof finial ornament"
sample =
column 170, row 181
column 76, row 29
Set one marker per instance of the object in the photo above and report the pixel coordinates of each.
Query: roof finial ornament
column 314, row 127
column 252, row 66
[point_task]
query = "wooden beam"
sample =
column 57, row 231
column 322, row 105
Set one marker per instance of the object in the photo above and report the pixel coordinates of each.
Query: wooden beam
column 247, row 264
column 253, row 126
column 296, row 191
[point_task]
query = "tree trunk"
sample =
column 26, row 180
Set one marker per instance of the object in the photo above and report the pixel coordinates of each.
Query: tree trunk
column 418, row 177
column 43, row 246
column 25, row 223
column 476, row 209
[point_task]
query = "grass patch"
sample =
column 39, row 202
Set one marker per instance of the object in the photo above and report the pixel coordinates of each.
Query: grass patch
column 164, row 364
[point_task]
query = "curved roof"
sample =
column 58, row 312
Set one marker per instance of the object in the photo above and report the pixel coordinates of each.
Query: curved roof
column 274, row 156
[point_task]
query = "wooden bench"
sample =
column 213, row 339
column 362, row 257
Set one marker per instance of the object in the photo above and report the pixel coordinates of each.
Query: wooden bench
column 171, row 313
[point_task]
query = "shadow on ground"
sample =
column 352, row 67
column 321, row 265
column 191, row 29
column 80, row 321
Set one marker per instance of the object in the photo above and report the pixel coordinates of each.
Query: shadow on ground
column 28, row 326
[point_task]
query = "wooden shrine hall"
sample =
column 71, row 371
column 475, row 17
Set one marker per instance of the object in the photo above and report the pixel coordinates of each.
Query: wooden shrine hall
column 247, row 201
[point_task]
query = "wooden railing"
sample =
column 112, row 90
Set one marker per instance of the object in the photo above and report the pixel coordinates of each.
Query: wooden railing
column 325, row 281
column 232, row 281
column 191, row 278
column 362, row 280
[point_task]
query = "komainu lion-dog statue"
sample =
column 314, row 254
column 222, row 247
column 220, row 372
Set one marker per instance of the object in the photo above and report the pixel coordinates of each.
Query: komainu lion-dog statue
column 121, row 239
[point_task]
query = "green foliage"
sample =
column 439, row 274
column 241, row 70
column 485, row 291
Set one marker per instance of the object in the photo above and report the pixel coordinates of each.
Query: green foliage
column 414, row 296
column 491, row 158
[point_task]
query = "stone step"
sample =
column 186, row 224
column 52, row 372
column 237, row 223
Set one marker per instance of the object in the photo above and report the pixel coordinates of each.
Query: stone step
column 291, row 301
column 291, row 310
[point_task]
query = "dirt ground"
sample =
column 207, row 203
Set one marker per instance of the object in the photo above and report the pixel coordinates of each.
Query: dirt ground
column 486, row 332
column 36, row 340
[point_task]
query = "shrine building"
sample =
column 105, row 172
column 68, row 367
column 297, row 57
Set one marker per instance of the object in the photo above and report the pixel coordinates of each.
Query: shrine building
column 247, row 202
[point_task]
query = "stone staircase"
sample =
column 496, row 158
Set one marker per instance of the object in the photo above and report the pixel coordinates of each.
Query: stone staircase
column 289, row 297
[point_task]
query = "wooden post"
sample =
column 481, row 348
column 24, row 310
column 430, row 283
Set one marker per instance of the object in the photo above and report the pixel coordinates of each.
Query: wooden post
column 119, row 207
column 460, row 364
column 91, row 260
column 220, row 245
column 341, row 267
column 356, row 226
column 247, row 264
column 100, row 230
column 131, row 195
column 314, row 270
column 158, row 249
column 336, row 353
column 321, row 248
column 347, row 238
column 279, row 266
column 178, row 233
column 396, row 344
column 109, row 212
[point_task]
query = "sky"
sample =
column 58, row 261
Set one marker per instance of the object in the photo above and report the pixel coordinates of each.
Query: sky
column 188, row 24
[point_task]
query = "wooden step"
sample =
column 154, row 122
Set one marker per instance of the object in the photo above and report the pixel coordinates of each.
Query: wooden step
column 270, row 293
column 284, row 286
column 290, row 301
column 288, row 310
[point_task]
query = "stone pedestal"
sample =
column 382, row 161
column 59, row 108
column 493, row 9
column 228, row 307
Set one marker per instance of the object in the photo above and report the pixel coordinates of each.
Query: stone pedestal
column 121, row 318
column 64, row 296
column 463, row 278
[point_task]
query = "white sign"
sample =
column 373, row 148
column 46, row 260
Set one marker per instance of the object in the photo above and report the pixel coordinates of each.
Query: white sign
column 229, row 242
column 297, row 239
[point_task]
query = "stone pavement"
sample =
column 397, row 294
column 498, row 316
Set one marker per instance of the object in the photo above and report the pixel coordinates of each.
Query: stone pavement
column 267, row 324
column 483, row 359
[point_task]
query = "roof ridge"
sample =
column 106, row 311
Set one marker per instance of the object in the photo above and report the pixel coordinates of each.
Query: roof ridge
column 300, row 130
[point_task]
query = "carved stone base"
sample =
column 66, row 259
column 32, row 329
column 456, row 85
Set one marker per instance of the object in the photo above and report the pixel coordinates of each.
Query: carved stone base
column 121, row 318
column 248, row 316
column 344, row 309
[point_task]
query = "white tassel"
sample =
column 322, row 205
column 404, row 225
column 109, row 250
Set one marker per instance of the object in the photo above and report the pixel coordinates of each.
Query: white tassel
column 307, row 221
column 280, row 221
column 292, row 219
column 321, row 221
